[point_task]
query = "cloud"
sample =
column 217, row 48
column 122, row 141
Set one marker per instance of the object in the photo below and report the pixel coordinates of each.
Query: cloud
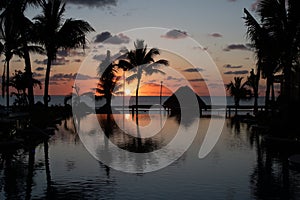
column 200, row 48
column 197, row 80
column 94, row 3
column 236, row 47
column 171, row 78
column 228, row 66
column 70, row 76
column 58, row 61
column 77, row 60
column 194, row 70
column 118, row 39
column 101, row 57
column 239, row 72
column 216, row 35
column 34, row 74
column 107, row 38
column 63, row 53
column 231, row 0
column 175, row 34
column 102, row 37
column 40, row 69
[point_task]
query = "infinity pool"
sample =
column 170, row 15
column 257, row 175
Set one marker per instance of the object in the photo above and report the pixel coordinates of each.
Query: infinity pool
column 240, row 166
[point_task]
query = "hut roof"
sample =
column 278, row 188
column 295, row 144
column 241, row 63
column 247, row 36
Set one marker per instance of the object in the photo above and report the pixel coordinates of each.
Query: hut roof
column 172, row 101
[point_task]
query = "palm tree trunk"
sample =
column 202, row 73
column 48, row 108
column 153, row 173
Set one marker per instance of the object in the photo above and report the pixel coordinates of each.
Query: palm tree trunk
column 273, row 91
column 29, row 75
column 47, row 78
column 108, row 102
column 287, row 82
column 124, row 81
column 255, row 110
column 47, row 165
column 137, row 96
column 29, row 181
column 7, row 83
column 236, row 106
column 267, row 96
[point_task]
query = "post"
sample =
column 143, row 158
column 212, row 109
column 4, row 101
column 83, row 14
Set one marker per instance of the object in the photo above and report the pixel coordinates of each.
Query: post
column 160, row 94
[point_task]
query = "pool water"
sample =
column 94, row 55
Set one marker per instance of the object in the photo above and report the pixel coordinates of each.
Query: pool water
column 240, row 166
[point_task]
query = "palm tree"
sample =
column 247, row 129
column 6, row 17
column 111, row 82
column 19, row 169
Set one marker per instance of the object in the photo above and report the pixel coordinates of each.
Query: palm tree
column 9, row 34
column 141, row 62
column 238, row 90
column 25, row 26
column 252, row 82
column 15, row 31
column 20, row 82
column 279, row 30
column 108, row 81
column 54, row 33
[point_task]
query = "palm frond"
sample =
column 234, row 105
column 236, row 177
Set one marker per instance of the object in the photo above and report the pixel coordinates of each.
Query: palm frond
column 131, row 78
column 125, row 65
column 149, row 72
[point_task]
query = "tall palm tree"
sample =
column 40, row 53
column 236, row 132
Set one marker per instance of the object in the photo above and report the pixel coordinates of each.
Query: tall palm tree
column 252, row 82
column 238, row 90
column 280, row 21
column 108, row 82
column 25, row 26
column 141, row 62
column 55, row 33
column 10, row 35
column 16, row 26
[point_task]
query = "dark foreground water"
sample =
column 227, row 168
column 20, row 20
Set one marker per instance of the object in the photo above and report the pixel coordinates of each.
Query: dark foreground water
column 240, row 166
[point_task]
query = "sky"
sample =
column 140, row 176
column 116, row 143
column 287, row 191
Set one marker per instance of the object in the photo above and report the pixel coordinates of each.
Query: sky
column 204, row 42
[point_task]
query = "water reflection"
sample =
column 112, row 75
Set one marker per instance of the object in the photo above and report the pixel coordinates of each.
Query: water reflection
column 272, row 177
column 61, row 168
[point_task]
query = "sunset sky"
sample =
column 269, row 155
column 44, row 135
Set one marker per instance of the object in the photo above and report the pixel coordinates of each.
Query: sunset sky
column 193, row 35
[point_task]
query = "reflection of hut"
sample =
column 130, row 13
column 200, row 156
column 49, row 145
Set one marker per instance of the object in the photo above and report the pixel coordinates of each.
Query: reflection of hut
column 173, row 104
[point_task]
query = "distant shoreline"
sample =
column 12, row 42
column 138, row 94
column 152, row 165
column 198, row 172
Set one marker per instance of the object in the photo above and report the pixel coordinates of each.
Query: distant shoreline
column 118, row 100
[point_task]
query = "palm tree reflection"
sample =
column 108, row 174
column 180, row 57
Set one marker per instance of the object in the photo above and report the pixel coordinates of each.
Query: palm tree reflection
column 271, row 177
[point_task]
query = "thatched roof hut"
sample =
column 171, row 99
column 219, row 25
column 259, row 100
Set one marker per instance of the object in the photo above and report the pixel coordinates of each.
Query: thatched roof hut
column 173, row 104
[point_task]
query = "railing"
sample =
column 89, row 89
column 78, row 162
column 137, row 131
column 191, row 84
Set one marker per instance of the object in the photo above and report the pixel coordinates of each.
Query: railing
column 227, row 109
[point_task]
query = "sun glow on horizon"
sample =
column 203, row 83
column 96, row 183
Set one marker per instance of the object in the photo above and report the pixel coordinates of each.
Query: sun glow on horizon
column 127, row 92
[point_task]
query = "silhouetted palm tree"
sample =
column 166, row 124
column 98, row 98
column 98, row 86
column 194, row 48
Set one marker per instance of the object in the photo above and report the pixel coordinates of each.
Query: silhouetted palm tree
column 238, row 90
column 55, row 33
column 252, row 82
column 9, row 34
column 25, row 26
column 141, row 62
column 16, row 32
column 280, row 21
column 108, row 81
column 20, row 81
column 266, row 51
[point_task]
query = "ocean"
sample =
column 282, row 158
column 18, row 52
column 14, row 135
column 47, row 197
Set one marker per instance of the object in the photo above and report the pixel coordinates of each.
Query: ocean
column 143, row 100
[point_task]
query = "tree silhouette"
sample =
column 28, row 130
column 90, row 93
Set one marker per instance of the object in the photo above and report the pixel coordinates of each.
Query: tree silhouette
column 252, row 82
column 141, row 62
column 20, row 81
column 11, row 37
column 55, row 33
column 276, row 39
column 108, row 81
column 238, row 90
column 16, row 32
